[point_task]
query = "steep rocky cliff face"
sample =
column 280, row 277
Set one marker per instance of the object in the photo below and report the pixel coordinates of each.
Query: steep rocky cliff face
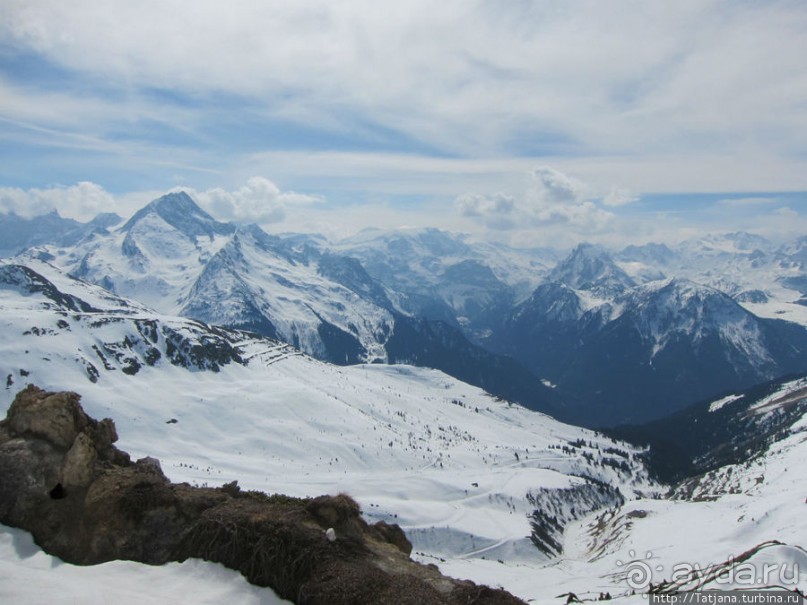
column 85, row 501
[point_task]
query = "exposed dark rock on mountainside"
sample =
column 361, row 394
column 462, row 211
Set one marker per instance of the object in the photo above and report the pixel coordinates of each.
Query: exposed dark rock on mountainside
column 638, row 357
column 87, row 502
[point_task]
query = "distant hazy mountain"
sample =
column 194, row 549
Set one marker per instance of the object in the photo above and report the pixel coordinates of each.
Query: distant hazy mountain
column 591, row 268
column 17, row 233
column 439, row 275
column 596, row 337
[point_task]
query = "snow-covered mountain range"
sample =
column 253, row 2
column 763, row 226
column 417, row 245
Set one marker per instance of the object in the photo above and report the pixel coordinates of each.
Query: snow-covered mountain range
column 483, row 488
column 176, row 258
column 592, row 336
column 463, row 472
column 642, row 350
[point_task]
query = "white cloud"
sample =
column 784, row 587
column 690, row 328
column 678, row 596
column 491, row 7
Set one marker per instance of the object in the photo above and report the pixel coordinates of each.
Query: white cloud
column 786, row 213
column 497, row 211
column 552, row 200
column 549, row 188
column 779, row 224
column 430, row 98
column 258, row 201
column 498, row 204
column 583, row 218
column 619, row 196
column 82, row 201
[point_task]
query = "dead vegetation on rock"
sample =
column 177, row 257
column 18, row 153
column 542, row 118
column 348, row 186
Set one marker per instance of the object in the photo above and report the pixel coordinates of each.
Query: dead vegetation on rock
column 86, row 502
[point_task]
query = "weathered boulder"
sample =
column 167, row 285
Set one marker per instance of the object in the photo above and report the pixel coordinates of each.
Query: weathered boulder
column 55, row 417
column 85, row 501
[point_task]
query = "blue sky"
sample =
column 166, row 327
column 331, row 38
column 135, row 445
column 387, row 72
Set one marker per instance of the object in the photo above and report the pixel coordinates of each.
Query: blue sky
column 524, row 121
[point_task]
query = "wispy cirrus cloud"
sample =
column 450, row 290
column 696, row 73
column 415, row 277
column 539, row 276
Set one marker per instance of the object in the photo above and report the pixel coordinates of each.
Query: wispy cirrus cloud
column 748, row 201
column 620, row 196
column 375, row 105
column 468, row 80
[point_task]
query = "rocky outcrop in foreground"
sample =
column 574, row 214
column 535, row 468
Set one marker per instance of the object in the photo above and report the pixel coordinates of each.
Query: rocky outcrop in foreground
column 85, row 501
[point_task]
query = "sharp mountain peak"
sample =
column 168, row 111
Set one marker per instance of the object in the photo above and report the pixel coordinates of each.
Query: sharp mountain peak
column 180, row 211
